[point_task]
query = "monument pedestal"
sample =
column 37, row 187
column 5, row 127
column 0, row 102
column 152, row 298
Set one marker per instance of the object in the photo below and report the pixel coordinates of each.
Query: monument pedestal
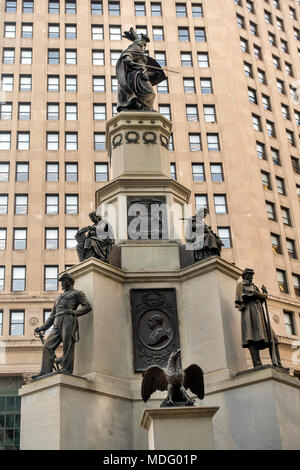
column 182, row 428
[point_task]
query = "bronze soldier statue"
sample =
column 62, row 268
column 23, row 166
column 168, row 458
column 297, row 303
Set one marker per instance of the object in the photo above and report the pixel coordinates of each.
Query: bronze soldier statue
column 257, row 333
column 64, row 322
column 137, row 73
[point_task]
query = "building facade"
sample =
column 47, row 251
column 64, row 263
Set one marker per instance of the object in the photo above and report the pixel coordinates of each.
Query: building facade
column 232, row 96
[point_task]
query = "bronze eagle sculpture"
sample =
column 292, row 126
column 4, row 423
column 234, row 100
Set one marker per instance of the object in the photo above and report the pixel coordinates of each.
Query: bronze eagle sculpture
column 175, row 381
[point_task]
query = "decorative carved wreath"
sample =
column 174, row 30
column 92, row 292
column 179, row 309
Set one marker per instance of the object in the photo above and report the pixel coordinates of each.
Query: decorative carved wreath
column 149, row 137
column 164, row 141
column 117, row 140
column 132, row 137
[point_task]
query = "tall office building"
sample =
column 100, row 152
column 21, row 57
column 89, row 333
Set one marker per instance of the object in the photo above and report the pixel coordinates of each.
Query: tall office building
column 232, row 96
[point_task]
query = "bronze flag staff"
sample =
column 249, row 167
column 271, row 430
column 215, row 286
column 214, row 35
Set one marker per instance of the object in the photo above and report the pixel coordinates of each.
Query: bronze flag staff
column 273, row 353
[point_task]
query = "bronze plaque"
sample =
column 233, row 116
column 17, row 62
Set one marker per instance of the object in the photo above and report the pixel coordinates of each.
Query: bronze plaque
column 155, row 326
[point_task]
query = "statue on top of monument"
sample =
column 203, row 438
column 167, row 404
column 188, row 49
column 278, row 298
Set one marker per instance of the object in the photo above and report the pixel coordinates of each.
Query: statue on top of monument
column 257, row 332
column 95, row 241
column 137, row 73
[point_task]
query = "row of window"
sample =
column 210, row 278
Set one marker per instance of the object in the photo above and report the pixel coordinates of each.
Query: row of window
column 277, row 247
column 98, row 57
column 270, row 126
column 51, row 204
column 266, row 102
column 276, row 4
column 52, row 171
column 114, row 8
column 19, row 241
column 285, row 213
column 268, row 17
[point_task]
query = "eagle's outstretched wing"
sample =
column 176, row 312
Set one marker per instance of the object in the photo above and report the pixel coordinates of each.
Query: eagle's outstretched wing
column 154, row 379
column 193, row 379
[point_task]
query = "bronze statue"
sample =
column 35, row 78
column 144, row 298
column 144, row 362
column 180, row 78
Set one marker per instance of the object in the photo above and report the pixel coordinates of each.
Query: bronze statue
column 200, row 236
column 137, row 73
column 95, row 240
column 175, row 380
column 257, row 333
column 65, row 327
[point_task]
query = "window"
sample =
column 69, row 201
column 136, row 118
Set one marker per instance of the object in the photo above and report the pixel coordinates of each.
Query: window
column 192, row 113
column 280, row 87
column 52, row 141
column 115, row 33
column 216, row 172
column 114, row 56
column 286, row 218
column 96, row 7
column 197, row 11
column 1, row 321
column 266, row 180
column 290, row 137
column 186, row 59
column 50, row 278
column 261, row 150
column 268, row 17
column 9, row 30
column 248, row 70
column 71, row 204
column 275, row 156
column 183, row 34
column 271, row 128
column 99, row 112
column 240, row 21
column 70, row 7
column 276, row 245
column 294, row 94
column 71, row 31
column 53, row 31
column 97, row 32
column 51, row 238
column 2, row 278
column 293, row 13
column 195, row 142
column 53, row 83
column 11, row 6
column 289, row 69
column 244, row 45
column 296, row 283
column 18, row 278
column 272, row 39
column 282, row 282
column 201, row 201
column 52, row 171
column 7, row 82
column 114, row 8
column 198, row 172
column 71, row 112
column 27, row 6
column 165, row 110
column 2, row 239
column 98, row 84
column 280, row 24
column 53, row 7
column 101, row 172
column 163, row 87
column 181, row 10
column 220, row 203
column 203, row 61
column 213, row 142
column 284, row 46
column 250, row 6
column 70, row 238
column 71, row 141
column 160, row 57
column 5, row 139
column 53, row 56
column 8, row 56
column 5, row 111
column 261, row 76
column 289, row 322
column 22, row 171
column 71, row 83
column 114, row 109
column 20, row 239
column 23, row 140
column 16, row 326
column 26, row 56
column 171, row 142
column 141, row 30
column 52, row 111
column 253, row 29
column 27, row 30
column 209, row 113
column 297, row 34
column 270, row 208
column 71, row 57
column 206, row 86
column 291, row 247
column 158, row 33
column 266, row 102
column 280, row 186
column 4, row 172
column 21, row 204
column 140, row 8
column 99, row 141
column 24, row 111
column 173, row 170
column 52, row 207
column 189, row 85
column 297, row 117
column 3, row 203
column 71, row 172
column 295, row 165
column 257, row 52
column 225, row 235
column 156, row 9
column 252, row 95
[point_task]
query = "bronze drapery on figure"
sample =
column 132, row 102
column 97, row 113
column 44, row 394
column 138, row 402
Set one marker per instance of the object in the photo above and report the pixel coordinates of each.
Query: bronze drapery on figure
column 137, row 73
column 95, row 240
column 256, row 330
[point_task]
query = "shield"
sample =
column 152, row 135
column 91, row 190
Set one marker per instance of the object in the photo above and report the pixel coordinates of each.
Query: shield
column 159, row 74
